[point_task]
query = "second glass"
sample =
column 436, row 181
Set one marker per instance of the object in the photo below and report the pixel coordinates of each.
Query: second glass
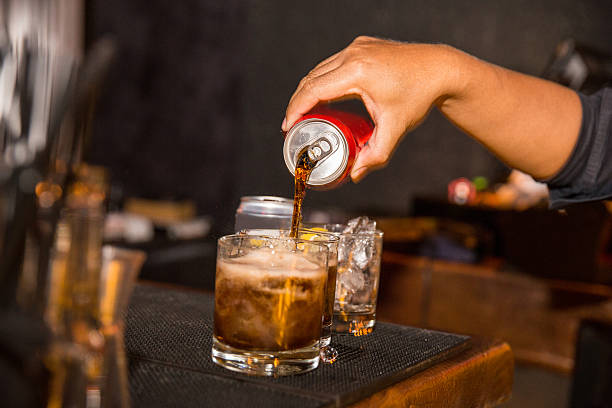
column 359, row 258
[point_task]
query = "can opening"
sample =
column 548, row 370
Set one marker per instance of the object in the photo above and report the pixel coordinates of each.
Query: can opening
column 321, row 148
column 326, row 145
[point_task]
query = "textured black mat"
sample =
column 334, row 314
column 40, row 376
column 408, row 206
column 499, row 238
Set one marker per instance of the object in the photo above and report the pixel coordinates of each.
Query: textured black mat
column 169, row 339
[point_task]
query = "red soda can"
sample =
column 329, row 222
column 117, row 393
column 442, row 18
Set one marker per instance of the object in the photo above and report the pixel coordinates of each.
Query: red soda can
column 335, row 137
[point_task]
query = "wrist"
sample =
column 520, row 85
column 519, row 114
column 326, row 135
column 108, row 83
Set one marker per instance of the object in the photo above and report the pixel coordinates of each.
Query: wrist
column 456, row 75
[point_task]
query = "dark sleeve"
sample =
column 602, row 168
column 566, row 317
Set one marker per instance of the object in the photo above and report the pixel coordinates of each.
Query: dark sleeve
column 587, row 174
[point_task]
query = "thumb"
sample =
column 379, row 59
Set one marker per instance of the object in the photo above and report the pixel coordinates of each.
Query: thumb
column 360, row 168
column 376, row 153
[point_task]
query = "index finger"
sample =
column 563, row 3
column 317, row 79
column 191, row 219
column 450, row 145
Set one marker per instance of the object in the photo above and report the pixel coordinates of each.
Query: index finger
column 332, row 85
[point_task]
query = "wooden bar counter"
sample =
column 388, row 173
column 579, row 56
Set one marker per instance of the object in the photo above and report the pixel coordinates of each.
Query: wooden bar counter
column 480, row 376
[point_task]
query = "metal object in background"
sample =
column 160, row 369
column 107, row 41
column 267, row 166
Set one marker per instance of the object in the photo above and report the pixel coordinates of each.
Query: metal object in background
column 37, row 88
column 37, row 84
column 263, row 212
column 335, row 138
column 579, row 67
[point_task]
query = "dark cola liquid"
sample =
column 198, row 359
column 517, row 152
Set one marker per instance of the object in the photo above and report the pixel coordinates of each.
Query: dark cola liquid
column 259, row 307
column 332, row 272
column 303, row 168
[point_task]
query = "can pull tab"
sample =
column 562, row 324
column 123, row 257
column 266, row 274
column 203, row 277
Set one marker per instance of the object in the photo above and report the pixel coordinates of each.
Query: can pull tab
column 321, row 148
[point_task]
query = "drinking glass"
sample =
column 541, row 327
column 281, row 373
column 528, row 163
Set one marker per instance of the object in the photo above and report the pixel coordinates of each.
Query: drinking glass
column 120, row 268
column 269, row 304
column 359, row 258
column 328, row 353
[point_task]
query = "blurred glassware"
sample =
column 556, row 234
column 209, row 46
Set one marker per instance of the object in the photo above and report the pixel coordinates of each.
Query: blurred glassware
column 73, row 307
column 88, row 288
column 76, row 258
column 120, row 268
column 89, row 369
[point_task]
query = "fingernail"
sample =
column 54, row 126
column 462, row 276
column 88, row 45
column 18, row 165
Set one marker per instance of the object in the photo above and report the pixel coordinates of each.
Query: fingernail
column 284, row 124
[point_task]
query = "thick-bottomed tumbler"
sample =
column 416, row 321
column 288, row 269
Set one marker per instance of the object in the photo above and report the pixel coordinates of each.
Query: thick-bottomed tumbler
column 359, row 258
column 269, row 303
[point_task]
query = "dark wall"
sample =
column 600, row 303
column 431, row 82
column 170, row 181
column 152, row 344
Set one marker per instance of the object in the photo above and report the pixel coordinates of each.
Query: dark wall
column 169, row 119
column 199, row 93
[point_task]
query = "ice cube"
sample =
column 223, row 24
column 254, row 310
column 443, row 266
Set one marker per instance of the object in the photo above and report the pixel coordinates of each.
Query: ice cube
column 348, row 245
column 350, row 281
column 356, row 252
column 362, row 251
column 344, row 248
column 359, row 225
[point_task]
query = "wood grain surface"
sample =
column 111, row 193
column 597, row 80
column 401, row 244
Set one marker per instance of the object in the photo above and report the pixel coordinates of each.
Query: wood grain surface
column 538, row 317
column 480, row 376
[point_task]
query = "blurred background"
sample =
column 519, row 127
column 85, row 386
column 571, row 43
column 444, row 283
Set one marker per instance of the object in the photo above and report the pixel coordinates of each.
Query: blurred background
column 189, row 121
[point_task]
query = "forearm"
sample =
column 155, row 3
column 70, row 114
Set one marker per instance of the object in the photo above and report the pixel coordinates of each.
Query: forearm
column 529, row 123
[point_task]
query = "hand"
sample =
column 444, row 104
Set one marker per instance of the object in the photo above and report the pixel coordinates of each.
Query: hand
column 529, row 123
column 397, row 82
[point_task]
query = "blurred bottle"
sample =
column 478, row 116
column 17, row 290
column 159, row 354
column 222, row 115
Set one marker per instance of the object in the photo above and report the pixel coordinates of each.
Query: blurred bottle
column 76, row 359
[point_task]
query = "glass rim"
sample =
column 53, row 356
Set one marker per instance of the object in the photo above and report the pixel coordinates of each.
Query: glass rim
column 376, row 233
column 316, row 231
column 266, row 215
column 267, row 198
column 226, row 238
column 331, row 236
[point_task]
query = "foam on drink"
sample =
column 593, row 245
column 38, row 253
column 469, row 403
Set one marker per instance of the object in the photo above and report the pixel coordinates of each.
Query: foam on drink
column 269, row 299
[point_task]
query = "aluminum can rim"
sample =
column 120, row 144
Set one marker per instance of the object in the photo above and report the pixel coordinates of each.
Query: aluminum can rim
column 289, row 161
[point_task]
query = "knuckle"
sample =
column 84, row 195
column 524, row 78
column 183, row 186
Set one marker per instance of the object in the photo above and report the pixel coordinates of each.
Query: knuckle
column 306, row 82
column 308, row 85
column 362, row 38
